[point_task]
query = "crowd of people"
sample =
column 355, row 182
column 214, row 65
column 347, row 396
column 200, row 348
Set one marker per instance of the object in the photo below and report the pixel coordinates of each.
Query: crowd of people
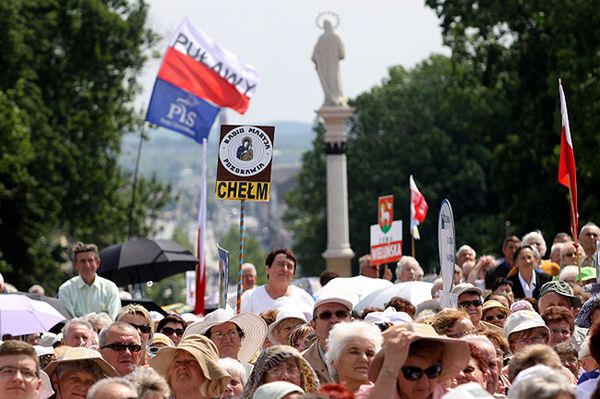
column 525, row 326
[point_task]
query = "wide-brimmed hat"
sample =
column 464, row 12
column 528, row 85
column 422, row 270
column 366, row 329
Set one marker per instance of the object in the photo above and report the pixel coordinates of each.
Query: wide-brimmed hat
column 455, row 358
column 584, row 318
column 523, row 320
column 206, row 354
column 561, row 288
column 285, row 314
column 253, row 326
column 73, row 354
column 463, row 288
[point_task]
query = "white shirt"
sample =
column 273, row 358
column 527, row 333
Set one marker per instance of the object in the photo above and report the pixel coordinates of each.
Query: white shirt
column 528, row 289
column 257, row 300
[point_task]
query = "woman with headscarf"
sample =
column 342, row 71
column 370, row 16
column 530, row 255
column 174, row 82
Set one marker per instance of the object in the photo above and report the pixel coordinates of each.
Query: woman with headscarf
column 192, row 368
column 281, row 363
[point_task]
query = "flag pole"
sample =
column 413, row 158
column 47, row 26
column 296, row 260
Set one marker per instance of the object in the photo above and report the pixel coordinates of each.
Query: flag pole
column 201, row 269
column 238, row 303
column 412, row 246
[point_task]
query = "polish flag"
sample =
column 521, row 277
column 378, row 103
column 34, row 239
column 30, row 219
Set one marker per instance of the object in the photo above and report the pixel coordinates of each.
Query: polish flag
column 418, row 209
column 197, row 64
column 567, row 174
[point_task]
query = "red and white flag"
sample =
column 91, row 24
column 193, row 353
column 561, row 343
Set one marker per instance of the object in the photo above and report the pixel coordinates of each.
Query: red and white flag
column 418, row 209
column 567, row 175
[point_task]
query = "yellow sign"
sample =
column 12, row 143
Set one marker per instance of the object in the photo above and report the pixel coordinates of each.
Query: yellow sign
column 243, row 190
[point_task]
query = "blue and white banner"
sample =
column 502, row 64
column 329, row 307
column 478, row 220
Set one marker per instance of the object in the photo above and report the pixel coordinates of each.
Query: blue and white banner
column 179, row 110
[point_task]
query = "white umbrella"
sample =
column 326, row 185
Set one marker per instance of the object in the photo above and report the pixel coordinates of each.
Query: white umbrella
column 20, row 315
column 352, row 288
column 414, row 291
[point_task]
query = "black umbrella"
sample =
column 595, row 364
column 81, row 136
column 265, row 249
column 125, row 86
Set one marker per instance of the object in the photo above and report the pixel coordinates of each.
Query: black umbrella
column 149, row 304
column 140, row 260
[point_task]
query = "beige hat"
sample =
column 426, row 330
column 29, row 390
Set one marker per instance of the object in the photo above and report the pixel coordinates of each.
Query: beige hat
column 523, row 320
column 253, row 326
column 160, row 338
column 463, row 288
column 493, row 304
column 322, row 300
column 206, row 354
column 276, row 390
column 72, row 354
column 455, row 358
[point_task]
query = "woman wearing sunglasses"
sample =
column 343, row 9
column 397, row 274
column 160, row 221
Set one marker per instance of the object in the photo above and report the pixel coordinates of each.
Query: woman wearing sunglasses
column 138, row 317
column 173, row 326
column 495, row 313
column 422, row 360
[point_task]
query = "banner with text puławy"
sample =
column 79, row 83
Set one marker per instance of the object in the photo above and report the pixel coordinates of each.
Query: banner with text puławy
column 198, row 77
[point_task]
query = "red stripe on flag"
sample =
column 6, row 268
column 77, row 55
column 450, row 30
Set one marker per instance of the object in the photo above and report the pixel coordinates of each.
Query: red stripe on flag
column 200, row 278
column 567, row 173
column 195, row 77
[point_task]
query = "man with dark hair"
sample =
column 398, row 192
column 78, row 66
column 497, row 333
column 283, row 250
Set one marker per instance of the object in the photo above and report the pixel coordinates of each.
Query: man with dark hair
column 19, row 371
column 88, row 292
column 280, row 267
column 509, row 247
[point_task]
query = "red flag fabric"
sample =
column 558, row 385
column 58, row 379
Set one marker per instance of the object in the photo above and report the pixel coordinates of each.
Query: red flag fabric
column 418, row 208
column 201, row 269
column 567, row 175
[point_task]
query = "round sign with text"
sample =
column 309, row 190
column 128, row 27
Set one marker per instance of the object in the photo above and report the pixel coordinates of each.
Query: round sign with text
column 246, row 151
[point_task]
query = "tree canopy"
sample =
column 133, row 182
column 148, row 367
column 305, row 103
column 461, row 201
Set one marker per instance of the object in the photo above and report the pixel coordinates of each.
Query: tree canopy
column 68, row 79
column 481, row 128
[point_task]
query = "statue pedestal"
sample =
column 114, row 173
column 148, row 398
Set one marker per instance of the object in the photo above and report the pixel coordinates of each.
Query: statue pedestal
column 338, row 253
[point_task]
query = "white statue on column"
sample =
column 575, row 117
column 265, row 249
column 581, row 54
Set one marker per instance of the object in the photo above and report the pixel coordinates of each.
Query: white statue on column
column 327, row 54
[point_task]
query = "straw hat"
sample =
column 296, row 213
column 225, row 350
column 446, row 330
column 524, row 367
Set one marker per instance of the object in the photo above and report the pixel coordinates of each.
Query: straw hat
column 160, row 338
column 206, row 354
column 455, row 358
column 254, row 328
column 285, row 314
column 493, row 304
column 72, row 354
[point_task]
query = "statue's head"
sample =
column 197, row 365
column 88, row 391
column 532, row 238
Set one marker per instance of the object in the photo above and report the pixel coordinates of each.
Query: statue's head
column 327, row 26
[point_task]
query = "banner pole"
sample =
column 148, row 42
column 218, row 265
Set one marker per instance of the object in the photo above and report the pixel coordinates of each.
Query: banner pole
column 412, row 246
column 238, row 305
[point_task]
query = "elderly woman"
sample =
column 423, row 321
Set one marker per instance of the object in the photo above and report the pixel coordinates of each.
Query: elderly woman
column 496, row 313
column 524, row 328
column 138, row 317
column 236, row 336
column 351, row 348
column 560, row 322
column 413, row 362
column 285, row 322
column 527, row 280
column 281, row 363
column 477, row 369
column 191, row 369
column 238, row 380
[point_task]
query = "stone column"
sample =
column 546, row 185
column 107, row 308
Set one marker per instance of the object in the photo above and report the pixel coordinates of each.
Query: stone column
column 338, row 253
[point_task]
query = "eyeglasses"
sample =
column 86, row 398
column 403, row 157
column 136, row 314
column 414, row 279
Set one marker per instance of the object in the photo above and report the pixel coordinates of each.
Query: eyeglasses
column 8, row 372
column 220, row 335
column 120, row 347
column 340, row 314
column 415, row 373
column 171, row 331
column 143, row 328
column 465, row 304
column 499, row 316
column 279, row 371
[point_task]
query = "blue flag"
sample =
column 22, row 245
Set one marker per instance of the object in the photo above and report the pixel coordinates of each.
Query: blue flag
column 179, row 110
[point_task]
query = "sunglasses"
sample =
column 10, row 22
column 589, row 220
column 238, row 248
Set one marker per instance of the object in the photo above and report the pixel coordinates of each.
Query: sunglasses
column 120, row 347
column 466, row 304
column 340, row 314
column 499, row 316
column 171, row 331
column 415, row 373
column 143, row 328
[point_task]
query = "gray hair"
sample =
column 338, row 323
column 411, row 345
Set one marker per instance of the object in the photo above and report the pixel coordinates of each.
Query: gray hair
column 234, row 368
column 103, row 337
column 406, row 260
column 149, row 383
column 545, row 383
column 248, row 266
column 589, row 225
column 464, row 248
column 101, row 318
column 341, row 333
column 529, row 238
column 77, row 321
column 97, row 388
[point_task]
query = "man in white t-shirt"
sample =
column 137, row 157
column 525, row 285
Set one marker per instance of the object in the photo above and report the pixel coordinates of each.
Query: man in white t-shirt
column 280, row 267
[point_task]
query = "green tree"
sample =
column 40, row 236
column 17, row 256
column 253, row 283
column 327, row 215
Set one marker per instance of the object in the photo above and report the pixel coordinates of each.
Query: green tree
column 434, row 122
column 253, row 253
column 69, row 77
column 520, row 49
